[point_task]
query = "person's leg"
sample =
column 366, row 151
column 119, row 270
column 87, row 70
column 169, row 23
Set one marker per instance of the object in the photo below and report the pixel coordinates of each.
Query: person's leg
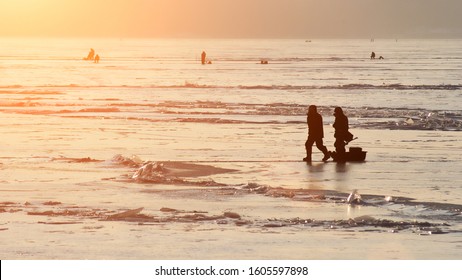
column 340, row 149
column 308, row 147
column 323, row 149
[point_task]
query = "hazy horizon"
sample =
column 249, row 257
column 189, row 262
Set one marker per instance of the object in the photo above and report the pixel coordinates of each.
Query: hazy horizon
column 297, row 19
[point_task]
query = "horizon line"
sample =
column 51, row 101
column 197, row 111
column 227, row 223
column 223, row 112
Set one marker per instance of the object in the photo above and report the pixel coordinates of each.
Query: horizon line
column 372, row 39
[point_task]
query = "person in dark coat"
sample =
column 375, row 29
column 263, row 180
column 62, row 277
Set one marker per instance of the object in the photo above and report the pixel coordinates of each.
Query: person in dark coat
column 342, row 135
column 315, row 134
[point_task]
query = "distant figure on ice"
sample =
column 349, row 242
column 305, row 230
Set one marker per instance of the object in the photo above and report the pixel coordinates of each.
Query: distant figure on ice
column 342, row 135
column 203, row 56
column 97, row 58
column 373, row 55
column 381, row 57
column 91, row 55
column 315, row 134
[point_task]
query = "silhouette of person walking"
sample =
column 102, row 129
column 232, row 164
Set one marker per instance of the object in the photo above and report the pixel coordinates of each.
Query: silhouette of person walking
column 203, row 56
column 97, row 58
column 315, row 134
column 373, row 55
column 342, row 135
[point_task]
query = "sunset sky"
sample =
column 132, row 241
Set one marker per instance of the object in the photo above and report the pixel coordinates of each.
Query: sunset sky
column 232, row 18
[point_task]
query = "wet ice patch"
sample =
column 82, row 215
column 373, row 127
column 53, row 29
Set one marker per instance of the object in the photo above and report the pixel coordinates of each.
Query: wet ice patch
column 176, row 172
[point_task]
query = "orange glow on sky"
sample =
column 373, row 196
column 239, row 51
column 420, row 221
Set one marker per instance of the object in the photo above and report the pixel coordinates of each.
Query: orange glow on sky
column 231, row 18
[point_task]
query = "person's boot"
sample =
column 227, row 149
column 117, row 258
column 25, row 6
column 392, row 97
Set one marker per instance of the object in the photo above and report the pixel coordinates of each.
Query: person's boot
column 341, row 157
column 326, row 154
column 307, row 159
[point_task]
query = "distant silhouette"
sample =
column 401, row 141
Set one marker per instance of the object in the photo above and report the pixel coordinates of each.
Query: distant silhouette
column 373, row 55
column 381, row 57
column 315, row 134
column 97, row 58
column 342, row 135
column 203, row 56
column 91, row 55
column 263, row 61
